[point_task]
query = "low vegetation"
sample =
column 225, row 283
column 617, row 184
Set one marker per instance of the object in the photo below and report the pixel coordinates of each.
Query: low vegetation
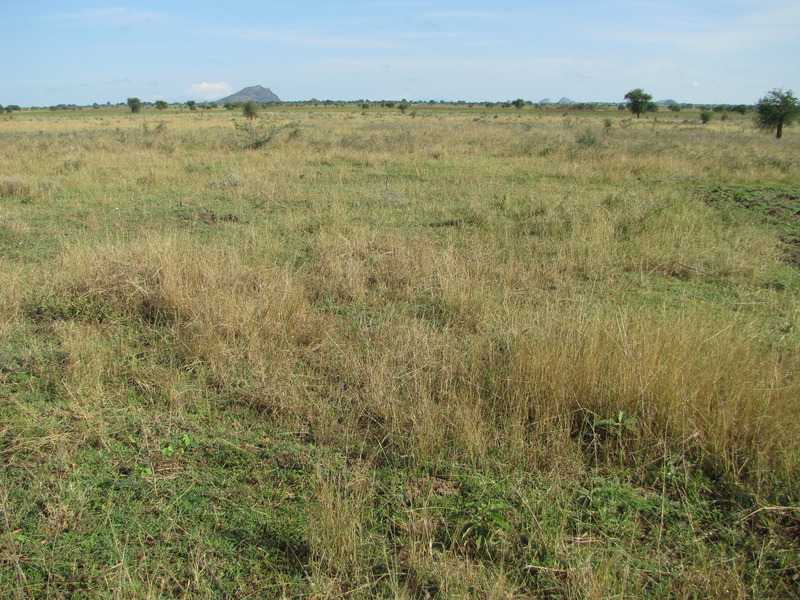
column 360, row 353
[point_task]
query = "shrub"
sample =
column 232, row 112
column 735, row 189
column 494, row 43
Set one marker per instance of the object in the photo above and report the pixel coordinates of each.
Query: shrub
column 776, row 109
column 13, row 187
column 135, row 105
column 587, row 138
column 256, row 135
column 250, row 109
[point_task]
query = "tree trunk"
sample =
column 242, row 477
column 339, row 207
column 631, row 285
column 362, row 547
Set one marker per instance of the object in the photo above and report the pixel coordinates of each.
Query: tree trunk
column 779, row 133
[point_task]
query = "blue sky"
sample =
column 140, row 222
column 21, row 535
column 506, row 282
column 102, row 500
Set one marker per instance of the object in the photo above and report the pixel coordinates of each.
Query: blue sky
column 701, row 51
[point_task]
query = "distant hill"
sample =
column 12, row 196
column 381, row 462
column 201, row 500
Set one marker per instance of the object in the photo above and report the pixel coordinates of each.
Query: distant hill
column 255, row 92
column 565, row 100
column 669, row 102
column 545, row 101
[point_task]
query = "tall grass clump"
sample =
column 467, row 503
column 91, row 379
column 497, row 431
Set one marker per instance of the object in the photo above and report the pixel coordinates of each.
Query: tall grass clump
column 707, row 389
column 215, row 313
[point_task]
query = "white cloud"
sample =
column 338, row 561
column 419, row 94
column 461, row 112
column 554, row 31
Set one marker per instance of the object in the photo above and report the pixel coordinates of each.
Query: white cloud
column 209, row 91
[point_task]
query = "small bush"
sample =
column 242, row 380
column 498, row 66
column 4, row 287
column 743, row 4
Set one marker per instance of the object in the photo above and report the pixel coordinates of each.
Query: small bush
column 11, row 187
column 250, row 109
column 587, row 138
column 232, row 180
column 255, row 135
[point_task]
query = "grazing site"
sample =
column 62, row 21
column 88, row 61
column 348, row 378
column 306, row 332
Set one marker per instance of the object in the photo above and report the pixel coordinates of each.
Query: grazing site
column 398, row 351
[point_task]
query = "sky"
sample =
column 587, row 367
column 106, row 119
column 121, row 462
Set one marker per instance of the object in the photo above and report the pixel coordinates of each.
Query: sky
column 698, row 51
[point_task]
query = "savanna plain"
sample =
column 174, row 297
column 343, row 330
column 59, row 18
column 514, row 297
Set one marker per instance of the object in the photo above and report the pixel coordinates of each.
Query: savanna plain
column 345, row 353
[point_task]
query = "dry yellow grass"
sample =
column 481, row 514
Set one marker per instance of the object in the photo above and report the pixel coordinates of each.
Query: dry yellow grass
column 538, row 298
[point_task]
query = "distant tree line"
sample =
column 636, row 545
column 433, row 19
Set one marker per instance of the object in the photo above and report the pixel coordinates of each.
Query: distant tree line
column 776, row 110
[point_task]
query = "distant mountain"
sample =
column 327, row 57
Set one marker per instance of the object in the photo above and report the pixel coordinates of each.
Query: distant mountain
column 565, row 100
column 545, row 101
column 255, row 92
column 669, row 102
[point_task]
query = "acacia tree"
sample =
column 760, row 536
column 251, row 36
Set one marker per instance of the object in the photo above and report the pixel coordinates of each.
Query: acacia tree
column 135, row 105
column 776, row 109
column 639, row 102
column 518, row 103
column 250, row 109
column 161, row 104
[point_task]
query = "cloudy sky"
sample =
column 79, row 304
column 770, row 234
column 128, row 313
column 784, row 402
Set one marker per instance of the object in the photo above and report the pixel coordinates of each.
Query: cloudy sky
column 701, row 51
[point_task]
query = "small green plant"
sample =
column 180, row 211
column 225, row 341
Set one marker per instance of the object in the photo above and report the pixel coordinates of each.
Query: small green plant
column 180, row 446
column 706, row 116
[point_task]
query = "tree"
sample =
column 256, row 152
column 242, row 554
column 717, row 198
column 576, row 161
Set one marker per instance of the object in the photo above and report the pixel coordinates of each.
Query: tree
column 135, row 105
column 776, row 109
column 639, row 102
column 518, row 103
column 250, row 109
column 161, row 105
column 191, row 104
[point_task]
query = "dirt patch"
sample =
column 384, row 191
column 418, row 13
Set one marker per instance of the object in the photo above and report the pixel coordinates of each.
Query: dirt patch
column 778, row 206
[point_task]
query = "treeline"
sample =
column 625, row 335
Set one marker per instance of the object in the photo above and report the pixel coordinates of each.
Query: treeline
column 365, row 104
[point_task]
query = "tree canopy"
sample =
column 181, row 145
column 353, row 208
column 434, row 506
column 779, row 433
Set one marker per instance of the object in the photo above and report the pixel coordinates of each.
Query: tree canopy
column 134, row 104
column 250, row 109
column 776, row 109
column 639, row 102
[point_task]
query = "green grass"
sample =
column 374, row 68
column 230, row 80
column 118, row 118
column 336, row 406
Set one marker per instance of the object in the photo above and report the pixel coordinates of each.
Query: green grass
column 444, row 356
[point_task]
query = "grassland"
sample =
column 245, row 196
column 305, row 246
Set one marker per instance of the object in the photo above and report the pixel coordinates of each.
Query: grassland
column 490, row 354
